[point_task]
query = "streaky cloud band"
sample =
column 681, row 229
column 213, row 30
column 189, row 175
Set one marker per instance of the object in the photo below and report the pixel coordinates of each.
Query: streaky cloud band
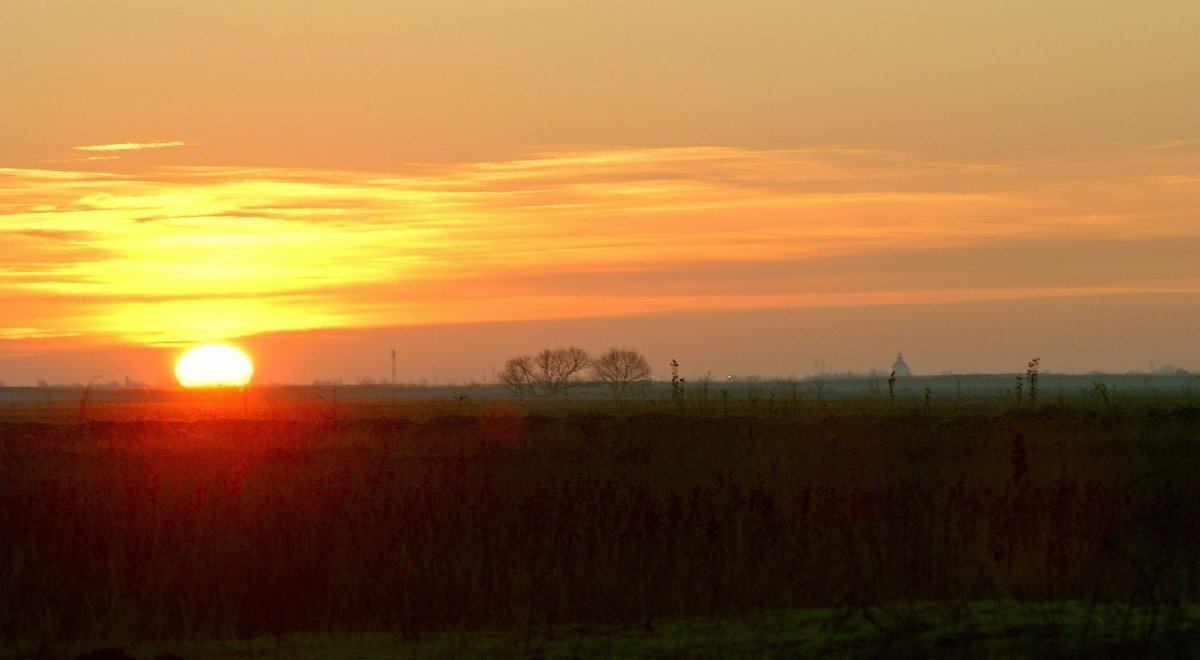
column 132, row 146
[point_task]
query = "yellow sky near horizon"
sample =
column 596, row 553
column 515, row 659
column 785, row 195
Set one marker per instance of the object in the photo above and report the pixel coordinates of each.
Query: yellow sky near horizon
column 177, row 255
column 175, row 172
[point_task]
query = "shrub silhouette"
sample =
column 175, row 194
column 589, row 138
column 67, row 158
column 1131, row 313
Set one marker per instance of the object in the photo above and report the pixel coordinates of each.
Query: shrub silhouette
column 619, row 368
column 546, row 374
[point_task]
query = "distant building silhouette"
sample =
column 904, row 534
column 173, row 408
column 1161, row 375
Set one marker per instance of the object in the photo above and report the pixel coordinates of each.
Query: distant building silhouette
column 899, row 367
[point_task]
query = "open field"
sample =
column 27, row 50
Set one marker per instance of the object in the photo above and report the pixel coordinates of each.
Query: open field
column 209, row 516
column 941, row 395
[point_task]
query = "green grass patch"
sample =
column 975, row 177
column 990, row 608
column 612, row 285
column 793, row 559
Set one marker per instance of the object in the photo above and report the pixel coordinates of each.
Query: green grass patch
column 981, row 629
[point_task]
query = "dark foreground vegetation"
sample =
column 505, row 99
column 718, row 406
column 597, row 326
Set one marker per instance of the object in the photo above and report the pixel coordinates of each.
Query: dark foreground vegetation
column 529, row 520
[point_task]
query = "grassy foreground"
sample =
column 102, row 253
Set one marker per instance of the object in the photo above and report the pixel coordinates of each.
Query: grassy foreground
column 570, row 531
column 918, row 630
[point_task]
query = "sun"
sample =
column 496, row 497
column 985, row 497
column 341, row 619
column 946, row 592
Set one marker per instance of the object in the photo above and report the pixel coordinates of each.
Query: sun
column 213, row 365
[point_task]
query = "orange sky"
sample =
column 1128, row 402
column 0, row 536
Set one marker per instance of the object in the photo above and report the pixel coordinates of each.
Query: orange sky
column 333, row 178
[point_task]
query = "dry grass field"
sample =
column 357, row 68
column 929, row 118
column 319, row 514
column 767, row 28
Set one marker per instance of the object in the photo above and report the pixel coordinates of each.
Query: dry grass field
column 131, row 523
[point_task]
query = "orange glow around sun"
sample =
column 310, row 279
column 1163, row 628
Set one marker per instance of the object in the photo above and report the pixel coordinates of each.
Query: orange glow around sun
column 213, row 365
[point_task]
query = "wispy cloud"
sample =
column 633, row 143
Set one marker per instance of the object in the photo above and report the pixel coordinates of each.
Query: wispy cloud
column 1193, row 143
column 84, row 159
column 183, row 253
column 132, row 146
column 29, row 333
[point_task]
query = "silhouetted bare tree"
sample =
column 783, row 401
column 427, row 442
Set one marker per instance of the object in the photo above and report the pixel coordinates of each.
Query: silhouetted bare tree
column 545, row 374
column 518, row 374
column 553, row 369
column 619, row 368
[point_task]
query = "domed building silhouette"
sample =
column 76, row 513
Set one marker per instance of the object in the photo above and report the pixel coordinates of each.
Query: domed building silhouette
column 900, row 367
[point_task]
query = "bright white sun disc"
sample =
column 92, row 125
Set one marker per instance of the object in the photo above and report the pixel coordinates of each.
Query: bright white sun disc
column 213, row 365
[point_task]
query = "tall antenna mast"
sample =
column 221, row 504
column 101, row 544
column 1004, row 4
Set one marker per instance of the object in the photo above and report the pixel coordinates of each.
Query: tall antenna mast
column 393, row 366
